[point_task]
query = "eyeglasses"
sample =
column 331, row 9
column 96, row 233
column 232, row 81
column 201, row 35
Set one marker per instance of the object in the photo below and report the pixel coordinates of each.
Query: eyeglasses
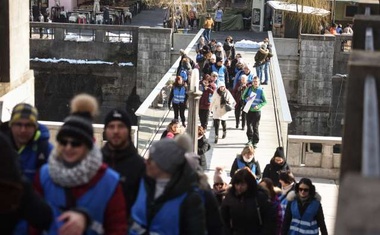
column 26, row 125
column 306, row 190
column 73, row 143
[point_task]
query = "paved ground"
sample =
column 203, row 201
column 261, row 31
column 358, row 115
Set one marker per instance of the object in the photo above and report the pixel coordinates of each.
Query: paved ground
column 223, row 153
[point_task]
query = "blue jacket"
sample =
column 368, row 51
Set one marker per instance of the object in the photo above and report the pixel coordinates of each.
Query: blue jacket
column 179, row 95
column 222, row 73
column 95, row 200
column 35, row 153
column 260, row 99
column 165, row 222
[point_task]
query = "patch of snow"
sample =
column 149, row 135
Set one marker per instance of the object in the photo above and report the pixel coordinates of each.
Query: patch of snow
column 78, row 38
column 124, row 37
column 71, row 61
column 247, row 44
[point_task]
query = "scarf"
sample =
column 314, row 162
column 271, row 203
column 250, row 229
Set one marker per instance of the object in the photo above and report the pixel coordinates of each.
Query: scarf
column 77, row 175
column 222, row 95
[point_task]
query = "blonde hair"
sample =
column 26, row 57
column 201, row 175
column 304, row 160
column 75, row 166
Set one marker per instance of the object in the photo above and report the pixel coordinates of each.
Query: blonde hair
column 248, row 150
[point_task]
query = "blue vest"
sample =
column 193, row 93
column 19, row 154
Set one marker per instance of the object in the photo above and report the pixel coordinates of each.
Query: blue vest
column 221, row 74
column 283, row 204
column 95, row 200
column 165, row 222
column 241, row 165
column 179, row 95
column 307, row 223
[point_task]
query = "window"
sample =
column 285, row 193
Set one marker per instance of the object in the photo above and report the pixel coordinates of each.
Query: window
column 351, row 11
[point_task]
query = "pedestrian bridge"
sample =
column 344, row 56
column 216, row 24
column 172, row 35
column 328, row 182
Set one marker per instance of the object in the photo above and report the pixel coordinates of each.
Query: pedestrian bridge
column 322, row 167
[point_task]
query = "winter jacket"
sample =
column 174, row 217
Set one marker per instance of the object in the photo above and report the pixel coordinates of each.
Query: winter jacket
column 238, row 77
column 191, row 213
column 115, row 216
column 203, row 147
column 35, row 153
column 252, row 164
column 18, row 200
column 222, row 74
column 207, row 93
column 131, row 168
column 261, row 56
column 241, row 217
column 310, row 211
column 272, row 171
column 208, row 24
column 175, row 96
column 237, row 93
column 219, row 111
column 95, row 200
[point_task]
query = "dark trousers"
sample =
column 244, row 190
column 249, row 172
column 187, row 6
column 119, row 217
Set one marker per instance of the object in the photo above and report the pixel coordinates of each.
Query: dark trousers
column 238, row 112
column 203, row 117
column 217, row 26
column 179, row 108
column 216, row 125
column 253, row 121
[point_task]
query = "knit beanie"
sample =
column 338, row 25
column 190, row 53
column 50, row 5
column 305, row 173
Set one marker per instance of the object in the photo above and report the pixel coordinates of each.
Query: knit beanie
column 219, row 59
column 79, row 124
column 220, row 176
column 118, row 115
column 168, row 155
column 279, row 152
column 26, row 111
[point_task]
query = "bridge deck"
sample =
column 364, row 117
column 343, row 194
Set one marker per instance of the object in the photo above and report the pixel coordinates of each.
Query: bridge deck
column 223, row 153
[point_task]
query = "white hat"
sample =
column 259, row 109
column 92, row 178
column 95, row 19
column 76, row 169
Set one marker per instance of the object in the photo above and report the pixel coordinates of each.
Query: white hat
column 220, row 176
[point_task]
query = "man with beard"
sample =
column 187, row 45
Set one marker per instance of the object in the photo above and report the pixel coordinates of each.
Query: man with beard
column 121, row 155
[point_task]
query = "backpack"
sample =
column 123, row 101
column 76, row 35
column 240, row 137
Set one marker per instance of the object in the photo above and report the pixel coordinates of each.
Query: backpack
column 183, row 74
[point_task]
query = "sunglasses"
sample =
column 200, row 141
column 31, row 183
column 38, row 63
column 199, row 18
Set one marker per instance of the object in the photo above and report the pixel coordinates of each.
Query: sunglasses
column 73, row 143
column 306, row 190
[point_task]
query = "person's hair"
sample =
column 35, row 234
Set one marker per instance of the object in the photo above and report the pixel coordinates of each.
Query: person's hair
column 307, row 182
column 255, row 77
column 201, row 131
column 287, row 177
column 176, row 81
column 269, row 187
column 171, row 124
column 245, row 175
column 248, row 150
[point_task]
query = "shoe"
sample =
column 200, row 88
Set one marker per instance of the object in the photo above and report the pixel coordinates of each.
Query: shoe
column 264, row 83
column 216, row 140
column 237, row 126
column 184, row 124
column 249, row 142
column 242, row 128
column 224, row 134
column 255, row 145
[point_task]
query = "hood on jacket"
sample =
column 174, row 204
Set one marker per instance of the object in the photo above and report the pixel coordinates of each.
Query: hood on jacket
column 292, row 195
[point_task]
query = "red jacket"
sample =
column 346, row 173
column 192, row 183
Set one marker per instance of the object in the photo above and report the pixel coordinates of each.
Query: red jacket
column 114, row 219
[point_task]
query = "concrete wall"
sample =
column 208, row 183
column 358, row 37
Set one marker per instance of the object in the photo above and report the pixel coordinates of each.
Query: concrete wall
column 20, row 87
column 341, row 57
column 153, row 59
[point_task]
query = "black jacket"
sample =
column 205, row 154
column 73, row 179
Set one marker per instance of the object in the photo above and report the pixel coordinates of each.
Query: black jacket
column 272, row 171
column 17, row 197
column 131, row 167
column 192, row 212
column 241, row 216
column 235, row 167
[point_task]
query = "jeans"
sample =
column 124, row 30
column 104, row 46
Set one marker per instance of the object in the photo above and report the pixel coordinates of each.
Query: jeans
column 259, row 71
column 266, row 71
column 207, row 34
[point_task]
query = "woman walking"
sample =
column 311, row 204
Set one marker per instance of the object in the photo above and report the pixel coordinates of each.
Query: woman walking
column 221, row 101
column 304, row 213
column 178, row 99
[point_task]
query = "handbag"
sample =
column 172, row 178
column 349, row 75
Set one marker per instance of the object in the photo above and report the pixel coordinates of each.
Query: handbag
column 229, row 107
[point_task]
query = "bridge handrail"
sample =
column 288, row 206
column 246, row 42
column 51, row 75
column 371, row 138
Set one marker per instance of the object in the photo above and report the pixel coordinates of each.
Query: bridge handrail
column 144, row 107
column 280, row 101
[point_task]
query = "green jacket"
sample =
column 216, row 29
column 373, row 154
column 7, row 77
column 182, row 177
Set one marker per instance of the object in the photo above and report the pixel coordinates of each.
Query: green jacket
column 259, row 101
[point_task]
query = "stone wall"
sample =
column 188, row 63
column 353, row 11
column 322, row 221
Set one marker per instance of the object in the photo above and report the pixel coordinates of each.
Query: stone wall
column 311, row 110
column 153, row 60
column 57, row 83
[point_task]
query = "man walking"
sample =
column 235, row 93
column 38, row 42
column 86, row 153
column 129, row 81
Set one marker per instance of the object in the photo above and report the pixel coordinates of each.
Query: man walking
column 29, row 138
column 121, row 155
column 256, row 96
